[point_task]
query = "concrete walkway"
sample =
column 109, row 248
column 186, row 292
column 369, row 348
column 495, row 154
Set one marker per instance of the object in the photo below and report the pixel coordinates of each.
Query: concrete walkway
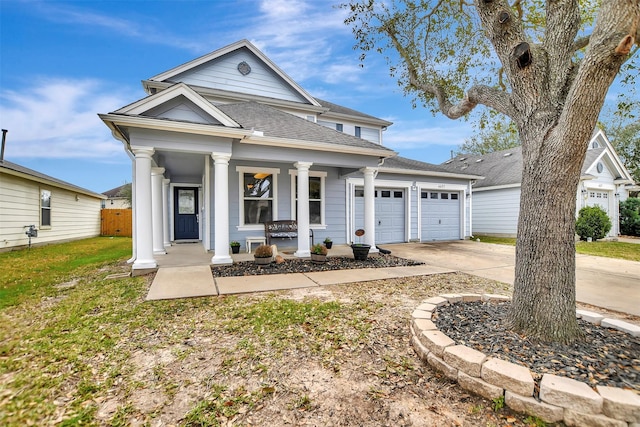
column 604, row 282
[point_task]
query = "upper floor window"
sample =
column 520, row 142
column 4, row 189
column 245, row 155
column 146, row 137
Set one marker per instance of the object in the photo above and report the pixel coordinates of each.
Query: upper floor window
column 257, row 195
column 358, row 131
column 339, row 127
column 45, row 208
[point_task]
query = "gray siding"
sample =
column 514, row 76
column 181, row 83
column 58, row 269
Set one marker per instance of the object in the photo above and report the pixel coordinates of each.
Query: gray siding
column 182, row 109
column 335, row 219
column 223, row 74
column 496, row 211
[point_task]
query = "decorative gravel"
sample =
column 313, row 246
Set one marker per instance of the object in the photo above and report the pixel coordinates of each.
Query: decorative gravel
column 606, row 357
column 250, row 268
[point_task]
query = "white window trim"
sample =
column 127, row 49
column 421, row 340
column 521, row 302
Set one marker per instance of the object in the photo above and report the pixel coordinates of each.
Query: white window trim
column 294, row 177
column 41, row 225
column 241, row 170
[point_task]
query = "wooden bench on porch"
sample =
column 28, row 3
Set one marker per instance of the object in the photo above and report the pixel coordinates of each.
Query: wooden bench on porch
column 283, row 229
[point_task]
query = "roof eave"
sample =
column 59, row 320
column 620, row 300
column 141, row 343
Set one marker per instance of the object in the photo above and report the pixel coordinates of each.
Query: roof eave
column 316, row 146
column 69, row 187
column 174, row 126
column 429, row 173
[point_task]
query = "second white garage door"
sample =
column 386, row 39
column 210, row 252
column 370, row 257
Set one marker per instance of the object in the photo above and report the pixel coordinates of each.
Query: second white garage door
column 440, row 215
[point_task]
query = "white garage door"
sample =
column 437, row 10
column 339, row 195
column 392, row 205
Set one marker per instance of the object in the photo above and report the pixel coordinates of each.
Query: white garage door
column 599, row 198
column 440, row 215
column 389, row 214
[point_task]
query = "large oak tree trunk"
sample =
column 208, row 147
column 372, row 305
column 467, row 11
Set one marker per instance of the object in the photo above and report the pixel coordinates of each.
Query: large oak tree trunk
column 544, row 300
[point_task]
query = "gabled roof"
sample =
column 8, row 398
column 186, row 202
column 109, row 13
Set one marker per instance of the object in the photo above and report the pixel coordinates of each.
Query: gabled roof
column 24, row 172
column 504, row 168
column 168, row 75
column 180, row 89
column 403, row 165
column 499, row 168
column 272, row 124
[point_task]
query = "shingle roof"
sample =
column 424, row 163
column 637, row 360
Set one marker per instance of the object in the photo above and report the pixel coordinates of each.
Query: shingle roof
column 501, row 167
column 399, row 162
column 339, row 109
column 4, row 164
column 115, row 192
column 275, row 123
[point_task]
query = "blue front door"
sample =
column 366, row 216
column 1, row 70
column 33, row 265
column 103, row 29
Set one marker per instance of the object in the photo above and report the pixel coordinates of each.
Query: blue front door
column 186, row 213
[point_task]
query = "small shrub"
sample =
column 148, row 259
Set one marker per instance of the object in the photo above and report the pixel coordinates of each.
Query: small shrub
column 234, row 243
column 630, row 217
column 328, row 240
column 319, row 249
column 263, row 251
column 592, row 222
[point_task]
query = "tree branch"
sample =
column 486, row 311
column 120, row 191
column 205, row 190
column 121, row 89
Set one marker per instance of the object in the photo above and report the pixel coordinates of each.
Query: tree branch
column 581, row 43
column 478, row 94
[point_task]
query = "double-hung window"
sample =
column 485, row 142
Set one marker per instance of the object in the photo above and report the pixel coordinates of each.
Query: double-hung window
column 45, row 208
column 258, row 195
column 316, row 196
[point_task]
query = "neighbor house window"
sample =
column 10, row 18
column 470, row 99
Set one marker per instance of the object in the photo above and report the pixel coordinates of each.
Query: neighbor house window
column 257, row 195
column 316, row 196
column 45, row 208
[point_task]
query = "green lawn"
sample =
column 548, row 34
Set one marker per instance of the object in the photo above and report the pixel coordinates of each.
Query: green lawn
column 622, row 250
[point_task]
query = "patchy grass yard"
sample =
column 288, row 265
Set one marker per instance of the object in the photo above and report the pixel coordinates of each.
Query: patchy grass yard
column 80, row 348
column 622, row 250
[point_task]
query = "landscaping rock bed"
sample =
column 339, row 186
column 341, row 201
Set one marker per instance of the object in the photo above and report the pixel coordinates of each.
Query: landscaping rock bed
column 249, row 268
column 606, row 357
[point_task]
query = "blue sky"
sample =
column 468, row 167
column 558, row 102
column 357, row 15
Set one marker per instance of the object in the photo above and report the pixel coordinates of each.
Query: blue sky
column 63, row 62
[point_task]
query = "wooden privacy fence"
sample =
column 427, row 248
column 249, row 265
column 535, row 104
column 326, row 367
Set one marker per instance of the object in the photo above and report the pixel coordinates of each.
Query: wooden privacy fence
column 115, row 222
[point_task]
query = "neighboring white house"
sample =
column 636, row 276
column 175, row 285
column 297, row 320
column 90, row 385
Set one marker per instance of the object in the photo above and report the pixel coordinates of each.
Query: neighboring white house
column 59, row 211
column 117, row 198
column 496, row 199
column 228, row 141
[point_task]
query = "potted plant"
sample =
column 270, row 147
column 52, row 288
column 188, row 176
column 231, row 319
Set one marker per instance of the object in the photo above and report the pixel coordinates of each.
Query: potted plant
column 235, row 247
column 328, row 242
column 263, row 255
column 360, row 250
column 318, row 253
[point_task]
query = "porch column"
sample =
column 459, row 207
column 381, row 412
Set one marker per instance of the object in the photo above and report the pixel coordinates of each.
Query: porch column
column 303, row 209
column 143, row 219
column 221, row 210
column 157, row 211
column 369, row 209
column 165, row 217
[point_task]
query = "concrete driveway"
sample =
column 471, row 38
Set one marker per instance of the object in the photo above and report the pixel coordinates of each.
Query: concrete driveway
column 603, row 282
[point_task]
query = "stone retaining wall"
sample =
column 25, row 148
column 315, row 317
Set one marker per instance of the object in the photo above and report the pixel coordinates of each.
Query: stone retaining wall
column 560, row 398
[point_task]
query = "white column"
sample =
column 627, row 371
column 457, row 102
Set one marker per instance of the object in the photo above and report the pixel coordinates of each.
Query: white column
column 166, row 203
column 143, row 220
column 134, row 237
column 303, row 209
column 369, row 209
column 206, row 208
column 157, row 208
column 221, row 210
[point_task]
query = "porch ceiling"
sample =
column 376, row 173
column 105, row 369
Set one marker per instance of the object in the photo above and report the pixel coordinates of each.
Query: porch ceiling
column 181, row 165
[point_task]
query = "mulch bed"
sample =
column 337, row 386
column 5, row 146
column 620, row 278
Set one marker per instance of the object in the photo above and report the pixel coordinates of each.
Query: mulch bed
column 606, row 357
column 249, row 268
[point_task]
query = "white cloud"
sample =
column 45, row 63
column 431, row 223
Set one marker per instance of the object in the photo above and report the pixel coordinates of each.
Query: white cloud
column 409, row 136
column 57, row 118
